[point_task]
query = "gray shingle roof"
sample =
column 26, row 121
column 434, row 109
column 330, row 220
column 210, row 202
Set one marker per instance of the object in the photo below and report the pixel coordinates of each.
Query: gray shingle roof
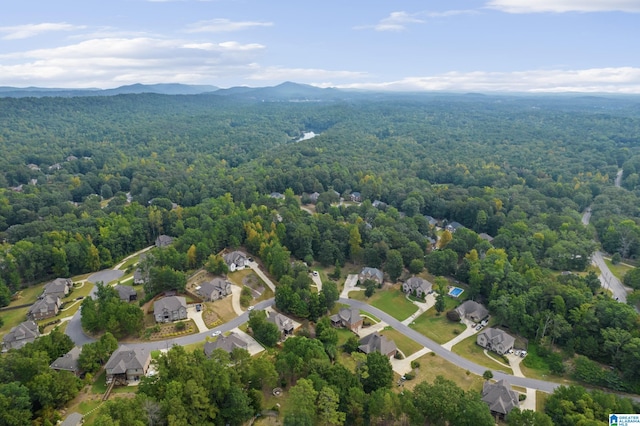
column 375, row 342
column 171, row 303
column 284, row 324
column 499, row 396
column 45, row 305
column 472, row 309
column 227, row 343
column 124, row 359
column 68, row 361
column 419, row 283
column 20, row 335
column 125, row 292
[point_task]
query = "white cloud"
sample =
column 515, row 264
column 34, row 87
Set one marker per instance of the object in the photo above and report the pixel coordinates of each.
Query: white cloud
column 224, row 25
column 31, row 30
column 396, row 21
column 560, row 6
column 613, row 80
column 108, row 62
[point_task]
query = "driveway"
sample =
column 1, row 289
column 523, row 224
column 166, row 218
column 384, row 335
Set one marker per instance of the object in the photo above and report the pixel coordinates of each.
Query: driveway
column 349, row 285
column 430, row 300
column 469, row 331
column 256, row 268
column 317, row 281
column 196, row 316
column 235, row 299
column 253, row 347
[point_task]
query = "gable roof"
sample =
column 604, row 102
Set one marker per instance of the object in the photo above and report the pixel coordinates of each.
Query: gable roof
column 348, row 316
column 21, row 334
column 471, row 308
column 124, row 359
column 125, row 291
column 417, row 282
column 163, row 240
column 59, row 285
column 171, row 303
column 485, row 236
column 215, row 284
column 227, row 343
column 372, row 273
column 499, row 396
column 375, row 342
column 45, row 305
column 455, row 225
column 496, row 336
column 237, row 257
column 284, row 323
column 68, row 361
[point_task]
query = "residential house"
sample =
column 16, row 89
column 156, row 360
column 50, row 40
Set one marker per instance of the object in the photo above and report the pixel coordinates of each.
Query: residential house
column 375, row 342
column 417, row 285
column 71, row 158
column 356, row 197
column 172, row 308
column 285, row 325
column 500, row 398
column 126, row 365
column 60, row 287
column 235, row 260
column 349, row 318
column 46, row 307
column 495, row 340
column 486, row 237
column 226, row 343
column 368, row 273
column 454, row 226
column 140, row 277
column 20, row 335
column 126, row 293
column 379, row 204
column 56, row 166
column 432, row 220
column 473, row 311
column 215, row 289
column 164, row 241
column 68, row 361
column 73, row 419
column 314, row 197
column 277, row 195
column 34, row 167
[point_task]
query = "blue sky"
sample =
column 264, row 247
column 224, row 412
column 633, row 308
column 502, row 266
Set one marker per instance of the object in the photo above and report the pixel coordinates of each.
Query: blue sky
column 455, row 45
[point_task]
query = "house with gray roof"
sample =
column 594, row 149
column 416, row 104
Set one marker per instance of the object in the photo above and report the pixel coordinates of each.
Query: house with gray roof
column 356, row 197
column 126, row 365
column 495, row 340
column 314, row 197
column 349, row 318
column 126, row 293
column 375, row 342
column 473, row 311
column 46, row 307
column 172, row 308
column 500, row 398
column 418, row 286
column 20, row 335
column 60, row 287
column 432, row 221
column 164, row 241
column 226, row 343
column 454, row 226
column 68, row 361
column 277, row 195
column 486, row 237
column 235, row 260
column 368, row 273
column 73, row 419
column 285, row 325
column 215, row 289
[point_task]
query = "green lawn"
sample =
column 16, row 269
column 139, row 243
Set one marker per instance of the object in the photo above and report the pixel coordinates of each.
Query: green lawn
column 405, row 344
column 12, row 318
column 437, row 328
column 27, row 295
column 535, row 367
column 618, row 270
column 343, row 335
column 370, row 316
column 470, row 350
column 394, row 303
column 432, row 366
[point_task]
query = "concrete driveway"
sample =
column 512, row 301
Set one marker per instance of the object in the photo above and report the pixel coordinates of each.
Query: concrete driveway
column 196, row 316
column 349, row 285
column 253, row 346
column 317, row 281
column 256, row 268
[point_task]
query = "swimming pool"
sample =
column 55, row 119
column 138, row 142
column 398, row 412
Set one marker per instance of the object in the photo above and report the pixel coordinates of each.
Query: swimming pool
column 455, row 291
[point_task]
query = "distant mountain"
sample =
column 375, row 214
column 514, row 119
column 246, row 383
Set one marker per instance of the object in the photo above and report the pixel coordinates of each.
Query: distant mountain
column 286, row 92
column 163, row 89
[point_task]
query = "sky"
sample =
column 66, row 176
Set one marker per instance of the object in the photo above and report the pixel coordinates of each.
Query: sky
column 400, row 45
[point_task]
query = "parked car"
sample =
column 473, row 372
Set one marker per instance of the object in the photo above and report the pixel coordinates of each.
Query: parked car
column 479, row 327
column 473, row 325
column 198, row 307
column 216, row 333
column 250, row 308
column 523, row 354
column 315, row 273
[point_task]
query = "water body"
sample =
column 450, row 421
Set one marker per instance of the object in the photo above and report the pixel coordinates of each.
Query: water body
column 306, row 136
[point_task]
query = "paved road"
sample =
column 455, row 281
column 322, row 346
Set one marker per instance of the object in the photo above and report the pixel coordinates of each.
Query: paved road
column 608, row 280
column 618, row 180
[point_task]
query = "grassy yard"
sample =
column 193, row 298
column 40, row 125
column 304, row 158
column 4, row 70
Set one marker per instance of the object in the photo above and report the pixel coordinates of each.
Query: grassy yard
column 343, row 335
column 247, row 277
column 618, row 270
column 535, row 367
column 437, row 328
column 541, row 400
column 12, row 318
column 432, row 366
column 394, row 303
column 218, row 312
column 370, row 316
column 27, row 295
column 358, row 295
column 405, row 344
column 470, row 350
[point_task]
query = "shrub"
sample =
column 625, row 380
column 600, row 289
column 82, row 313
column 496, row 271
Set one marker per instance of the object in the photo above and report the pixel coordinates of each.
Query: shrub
column 398, row 355
column 410, row 375
column 453, row 315
column 180, row 325
column 616, row 258
column 415, row 364
column 522, row 397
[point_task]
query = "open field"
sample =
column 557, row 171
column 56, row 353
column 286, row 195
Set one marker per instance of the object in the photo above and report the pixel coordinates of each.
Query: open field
column 437, row 327
column 432, row 366
column 394, row 303
column 405, row 344
column 471, row 351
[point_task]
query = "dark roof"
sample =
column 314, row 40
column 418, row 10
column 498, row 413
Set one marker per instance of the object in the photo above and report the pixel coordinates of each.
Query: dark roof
column 472, row 308
column 499, row 396
column 227, row 343
column 125, row 291
column 348, row 316
column 283, row 323
column 59, row 285
column 124, row 359
column 496, row 336
column 45, row 305
column 68, row 361
column 375, row 342
column 163, row 241
column 21, row 334
column 171, row 303
column 417, row 282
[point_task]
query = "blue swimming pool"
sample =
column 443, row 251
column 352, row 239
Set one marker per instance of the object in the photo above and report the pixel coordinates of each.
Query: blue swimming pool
column 455, row 291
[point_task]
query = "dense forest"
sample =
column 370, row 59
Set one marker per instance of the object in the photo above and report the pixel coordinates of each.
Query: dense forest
column 87, row 181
